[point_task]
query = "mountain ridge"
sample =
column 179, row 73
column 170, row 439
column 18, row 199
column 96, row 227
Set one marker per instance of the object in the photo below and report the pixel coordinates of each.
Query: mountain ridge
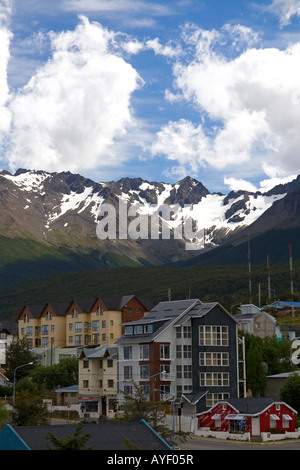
column 55, row 215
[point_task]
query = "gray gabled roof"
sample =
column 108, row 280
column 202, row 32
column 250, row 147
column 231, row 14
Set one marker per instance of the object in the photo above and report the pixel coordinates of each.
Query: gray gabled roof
column 104, row 436
column 100, row 351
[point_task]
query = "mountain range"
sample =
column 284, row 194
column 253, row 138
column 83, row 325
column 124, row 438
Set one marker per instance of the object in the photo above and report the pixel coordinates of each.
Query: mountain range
column 49, row 224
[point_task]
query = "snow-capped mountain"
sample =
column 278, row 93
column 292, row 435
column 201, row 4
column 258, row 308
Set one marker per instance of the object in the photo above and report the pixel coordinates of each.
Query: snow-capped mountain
column 62, row 210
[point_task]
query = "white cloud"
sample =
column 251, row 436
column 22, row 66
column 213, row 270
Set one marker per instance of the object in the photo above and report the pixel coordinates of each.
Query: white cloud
column 75, row 106
column 251, row 98
column 237, row 184
column 5, row 38
column 108, row 6
column 284, row 9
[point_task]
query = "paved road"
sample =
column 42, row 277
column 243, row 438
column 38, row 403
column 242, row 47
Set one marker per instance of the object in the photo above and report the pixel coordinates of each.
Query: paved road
column 199, row 443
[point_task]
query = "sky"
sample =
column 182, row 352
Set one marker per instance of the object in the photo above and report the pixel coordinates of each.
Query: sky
column 157, row 90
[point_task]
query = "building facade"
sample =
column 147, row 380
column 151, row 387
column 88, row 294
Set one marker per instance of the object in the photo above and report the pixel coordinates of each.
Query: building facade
column 79, row 323
column 8, row 333
column 249, row 415
column 98, row 382
column 181, row 350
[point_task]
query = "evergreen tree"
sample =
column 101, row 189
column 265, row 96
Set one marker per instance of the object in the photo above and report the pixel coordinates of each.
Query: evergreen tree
column 75, row 442
column 290, row 392
column 256, row 377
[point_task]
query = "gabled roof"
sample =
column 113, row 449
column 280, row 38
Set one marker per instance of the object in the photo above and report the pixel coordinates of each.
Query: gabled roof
column 249, row 406
column 9, row 326
column 102, row 351
column 104, row 436
column 173, row 312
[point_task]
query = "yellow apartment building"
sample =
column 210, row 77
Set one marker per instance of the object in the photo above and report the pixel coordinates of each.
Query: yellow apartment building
column 97, row 382
column 79, row 323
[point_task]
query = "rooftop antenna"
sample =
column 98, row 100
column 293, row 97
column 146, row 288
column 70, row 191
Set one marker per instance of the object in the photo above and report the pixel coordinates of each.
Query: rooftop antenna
column 291, row 280
column 249, row 267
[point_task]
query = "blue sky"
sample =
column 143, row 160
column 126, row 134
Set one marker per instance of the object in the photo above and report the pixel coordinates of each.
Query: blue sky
column 116, row 88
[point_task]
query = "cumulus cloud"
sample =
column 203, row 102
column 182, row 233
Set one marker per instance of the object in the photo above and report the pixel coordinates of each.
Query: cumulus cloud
column 75, row 106
column 5, row 39
column 250, row 101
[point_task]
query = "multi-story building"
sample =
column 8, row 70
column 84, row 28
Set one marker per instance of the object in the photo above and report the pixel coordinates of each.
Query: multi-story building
column 185, row 350
column 97, row 381
column 8, row 332
column 79, row 323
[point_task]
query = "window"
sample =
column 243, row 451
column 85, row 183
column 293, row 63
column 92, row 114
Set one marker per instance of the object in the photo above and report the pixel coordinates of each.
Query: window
column 165, row 370
column 187, row 332
column 187, row 372
column 29, row 331
column 187, row 351
column 110, row 363
column 103, row 323
column 214, row 359
column 78, row 326
column 128, row 330
column 85, row 364
column 110, row 383
column 127, row 352
column 165, row 351
column 78, row 340
column 99, row 311
column 74, row 313
column 127, row 372
column 95, row 325
column 148, row 328
column 144, row 352
column 178, row 352
column 44, row 329
column 179, row 372
column 128, row 389
column 213, row 335
column 138, row 330
column 144, row 372
column 214, row 379
column 165, row 392
column 111, row 322
column 85, row 384
column 70, row 326
column 103, row 337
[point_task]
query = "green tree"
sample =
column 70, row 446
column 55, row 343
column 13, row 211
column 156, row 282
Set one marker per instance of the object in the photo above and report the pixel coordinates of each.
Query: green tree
column 4, row 415
column 290, row 392
column 29, row 410
column 255, row 375
column 63, row 374
column 137, row 406
column 17, row 354
column 75, row 442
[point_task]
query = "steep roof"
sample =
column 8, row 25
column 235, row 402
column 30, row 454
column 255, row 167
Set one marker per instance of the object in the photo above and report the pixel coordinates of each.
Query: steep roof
column 104, row 436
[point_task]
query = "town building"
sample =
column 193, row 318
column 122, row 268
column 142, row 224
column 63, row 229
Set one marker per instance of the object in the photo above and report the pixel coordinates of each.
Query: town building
column 248, row 415
column 80, row 322
column 98, row 382
column 186, row 351
column 8, row 333
column 256, row 322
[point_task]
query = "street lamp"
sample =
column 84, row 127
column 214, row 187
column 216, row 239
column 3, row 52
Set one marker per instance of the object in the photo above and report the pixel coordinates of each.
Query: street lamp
column 14, row 388
column 162, row 372
column 169, row 393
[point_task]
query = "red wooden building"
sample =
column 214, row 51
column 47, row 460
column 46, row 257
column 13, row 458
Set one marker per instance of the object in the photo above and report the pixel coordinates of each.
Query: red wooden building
column 252, row 415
